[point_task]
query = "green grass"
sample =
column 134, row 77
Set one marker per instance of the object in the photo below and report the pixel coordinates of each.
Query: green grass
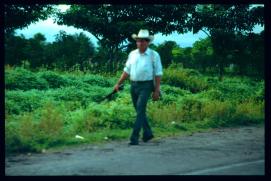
column 49, row 108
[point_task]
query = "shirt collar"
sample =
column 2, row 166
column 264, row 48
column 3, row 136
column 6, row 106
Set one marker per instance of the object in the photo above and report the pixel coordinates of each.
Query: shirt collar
column 147, row 52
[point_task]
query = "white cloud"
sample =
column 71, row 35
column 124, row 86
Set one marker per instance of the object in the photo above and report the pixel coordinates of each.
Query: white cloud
column 51, row 29
column 63, row 7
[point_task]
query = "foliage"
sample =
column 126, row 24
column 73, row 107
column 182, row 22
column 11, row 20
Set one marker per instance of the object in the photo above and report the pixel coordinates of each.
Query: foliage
column 22, row 79
column 36, row 131
column 40, row 119
column 54, row 80
column 71, row 49
column 202, row 54
column 65, row 52
column 15, row 49
column 19, row 16
column 46, row 108
column 184, row 78
column 123, row 20
column 223, row 22
column 165, row 52
column 17, row 102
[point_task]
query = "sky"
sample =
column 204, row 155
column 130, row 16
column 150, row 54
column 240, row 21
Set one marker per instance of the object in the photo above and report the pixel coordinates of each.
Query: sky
column 49, row 29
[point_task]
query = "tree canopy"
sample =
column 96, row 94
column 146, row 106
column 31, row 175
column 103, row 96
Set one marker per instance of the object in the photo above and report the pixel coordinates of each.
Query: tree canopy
column 20, row 16
column 113, row 25
column 228, row 26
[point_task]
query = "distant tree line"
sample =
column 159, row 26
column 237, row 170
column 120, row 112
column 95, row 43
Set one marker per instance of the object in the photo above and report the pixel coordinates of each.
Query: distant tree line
column 245, row 54
column 64, row 52
column 229, row 27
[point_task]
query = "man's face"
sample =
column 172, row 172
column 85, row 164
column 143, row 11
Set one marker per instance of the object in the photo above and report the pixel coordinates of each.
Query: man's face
column 142, row 44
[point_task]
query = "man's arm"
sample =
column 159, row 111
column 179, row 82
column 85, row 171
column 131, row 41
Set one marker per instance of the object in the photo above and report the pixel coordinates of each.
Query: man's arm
column 157, row 83
column 156, row 93
column 121, row 80
column 158, row 72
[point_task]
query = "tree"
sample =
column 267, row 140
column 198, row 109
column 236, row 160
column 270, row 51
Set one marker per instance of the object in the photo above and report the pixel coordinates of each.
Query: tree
column 256, row 47
column 165, row 52
column 18, row 49
column 183, row 56
column 222, row 22
column 35, row 50
column 113, row 25
column 15, row 49
column 20, row 16
column 69, row 50
column 222, row 45
column 248, row 54
column 202, row 54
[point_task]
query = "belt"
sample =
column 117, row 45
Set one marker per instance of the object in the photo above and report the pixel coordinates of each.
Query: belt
column 144, row 81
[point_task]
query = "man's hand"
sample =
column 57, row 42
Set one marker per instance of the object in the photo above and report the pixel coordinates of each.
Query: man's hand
column 155, row 95
column 116, row 87
column 122, row 78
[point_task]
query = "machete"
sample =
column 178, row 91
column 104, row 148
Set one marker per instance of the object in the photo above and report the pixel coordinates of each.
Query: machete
column 110, row 96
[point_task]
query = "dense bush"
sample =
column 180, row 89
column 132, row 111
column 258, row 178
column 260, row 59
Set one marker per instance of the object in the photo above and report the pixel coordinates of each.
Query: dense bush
column 23, row 79
column 54, row 80
column 98, row 80
column 236, row 91
column 249, row 112
column 219, row 113
column 83, row 95
column 17, row 102
column 36, row 130
column 215, row 113
column 70, row 104
column 185, row 79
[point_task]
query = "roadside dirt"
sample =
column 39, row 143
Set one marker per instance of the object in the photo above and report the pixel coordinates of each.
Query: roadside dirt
column 227, row 151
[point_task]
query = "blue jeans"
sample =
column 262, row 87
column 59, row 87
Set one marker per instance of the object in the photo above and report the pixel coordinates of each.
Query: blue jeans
column 140, row 93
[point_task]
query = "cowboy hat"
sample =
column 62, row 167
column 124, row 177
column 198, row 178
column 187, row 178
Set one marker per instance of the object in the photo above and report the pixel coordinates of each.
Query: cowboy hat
column 143, row 34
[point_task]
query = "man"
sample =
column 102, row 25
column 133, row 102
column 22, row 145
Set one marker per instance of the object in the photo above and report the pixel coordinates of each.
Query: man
column 145, row 71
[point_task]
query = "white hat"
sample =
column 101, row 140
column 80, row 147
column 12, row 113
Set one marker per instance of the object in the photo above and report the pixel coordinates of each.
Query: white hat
column 144, row 34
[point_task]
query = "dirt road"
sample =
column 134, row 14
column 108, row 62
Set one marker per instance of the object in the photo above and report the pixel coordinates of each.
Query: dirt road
column 229, row 151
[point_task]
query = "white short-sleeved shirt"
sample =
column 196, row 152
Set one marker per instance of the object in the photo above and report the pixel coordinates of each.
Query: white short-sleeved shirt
column 140, row 65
